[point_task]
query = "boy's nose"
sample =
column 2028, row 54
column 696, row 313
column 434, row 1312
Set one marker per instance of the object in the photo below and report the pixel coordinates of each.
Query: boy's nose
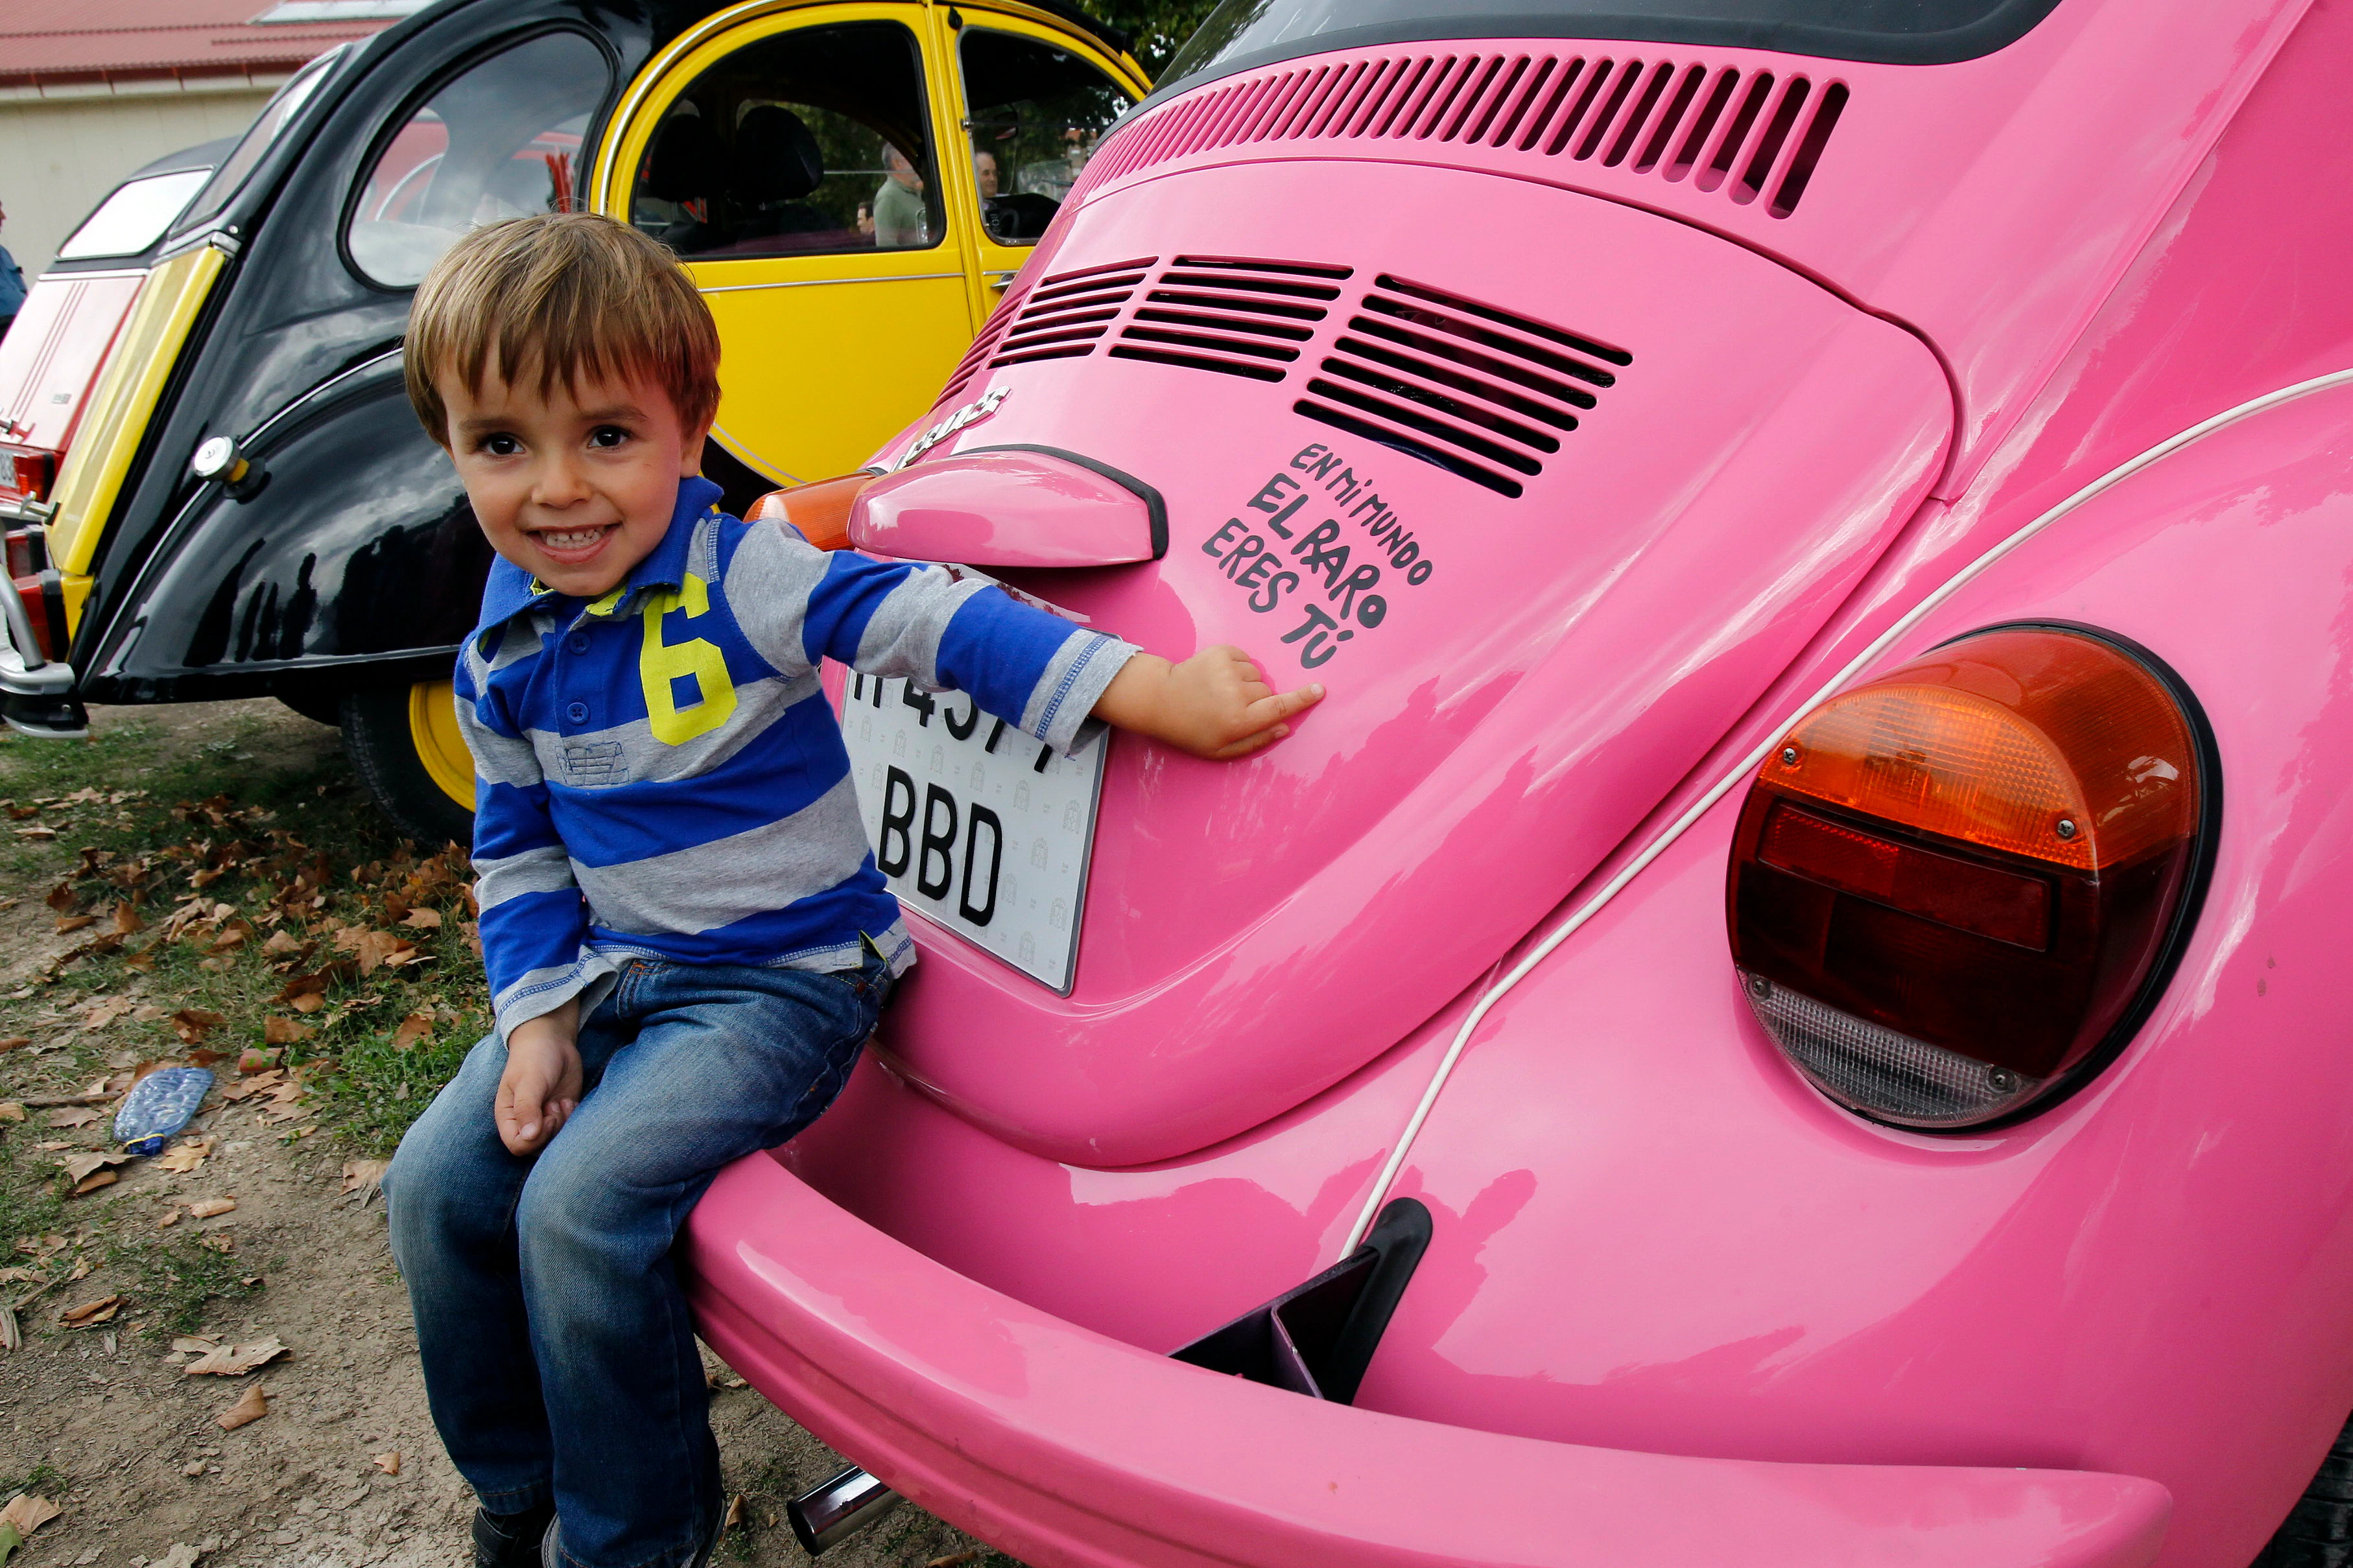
column 559, row 483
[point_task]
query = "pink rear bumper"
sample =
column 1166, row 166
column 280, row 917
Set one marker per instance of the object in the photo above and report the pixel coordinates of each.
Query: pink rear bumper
column 1067, row 1448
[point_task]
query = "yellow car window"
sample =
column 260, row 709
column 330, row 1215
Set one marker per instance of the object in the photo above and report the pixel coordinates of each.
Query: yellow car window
column 809, row 142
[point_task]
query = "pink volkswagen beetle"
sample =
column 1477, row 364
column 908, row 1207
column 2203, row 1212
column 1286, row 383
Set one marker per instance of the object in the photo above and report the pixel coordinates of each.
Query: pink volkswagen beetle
column 1782, row 1012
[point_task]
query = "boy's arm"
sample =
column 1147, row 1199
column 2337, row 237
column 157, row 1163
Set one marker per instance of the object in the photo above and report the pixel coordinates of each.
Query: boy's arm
column 534, row 925
column 1031, row 668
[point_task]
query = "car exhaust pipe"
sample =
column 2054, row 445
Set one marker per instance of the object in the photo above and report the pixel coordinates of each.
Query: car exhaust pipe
column 833, row 1510
column 1315, row 1339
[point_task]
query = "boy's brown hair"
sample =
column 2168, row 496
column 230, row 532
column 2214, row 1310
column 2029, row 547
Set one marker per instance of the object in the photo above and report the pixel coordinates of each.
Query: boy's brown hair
column 575, row 296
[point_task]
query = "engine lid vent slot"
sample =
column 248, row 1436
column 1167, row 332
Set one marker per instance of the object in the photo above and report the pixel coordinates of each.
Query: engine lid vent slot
column 1067, row 314
column 1234, row 315
column 1479, row 390
column 991, row 332
column 1742, row 133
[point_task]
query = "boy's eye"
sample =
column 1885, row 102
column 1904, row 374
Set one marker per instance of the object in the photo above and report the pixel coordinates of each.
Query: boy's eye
column 608, row 437
column 502, row 446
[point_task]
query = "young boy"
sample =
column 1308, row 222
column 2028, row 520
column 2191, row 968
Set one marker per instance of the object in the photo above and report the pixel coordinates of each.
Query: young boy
column 687, row 940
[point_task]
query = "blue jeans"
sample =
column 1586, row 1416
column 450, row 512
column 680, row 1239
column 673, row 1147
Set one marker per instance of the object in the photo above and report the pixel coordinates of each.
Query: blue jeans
column 559, row 1359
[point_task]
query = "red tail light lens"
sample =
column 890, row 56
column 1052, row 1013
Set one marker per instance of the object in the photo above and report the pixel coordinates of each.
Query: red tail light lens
column 1957, row 888
column 25, row 476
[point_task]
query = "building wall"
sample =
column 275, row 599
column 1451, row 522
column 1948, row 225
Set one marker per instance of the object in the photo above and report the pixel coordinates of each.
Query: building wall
column 61, row 152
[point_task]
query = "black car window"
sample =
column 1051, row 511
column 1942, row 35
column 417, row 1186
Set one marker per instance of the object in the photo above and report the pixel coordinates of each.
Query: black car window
column 500, row 141
column 282, row 107
column 815, row 139
column 1035, row 112
column 1242, row 34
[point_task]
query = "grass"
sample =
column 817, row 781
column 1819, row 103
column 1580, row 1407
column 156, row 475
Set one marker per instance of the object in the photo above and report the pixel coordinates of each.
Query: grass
column 245, row 895
column 175, row 1280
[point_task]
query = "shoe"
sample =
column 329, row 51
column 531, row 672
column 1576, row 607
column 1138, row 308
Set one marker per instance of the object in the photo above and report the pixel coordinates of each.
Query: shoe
column 551, row 1549
column 511, row 1539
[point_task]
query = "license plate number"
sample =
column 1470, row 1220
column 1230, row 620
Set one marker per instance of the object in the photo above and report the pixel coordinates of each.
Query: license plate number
column 981, row 828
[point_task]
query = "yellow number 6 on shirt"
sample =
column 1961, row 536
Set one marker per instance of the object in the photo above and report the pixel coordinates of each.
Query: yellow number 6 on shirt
column 661, row 663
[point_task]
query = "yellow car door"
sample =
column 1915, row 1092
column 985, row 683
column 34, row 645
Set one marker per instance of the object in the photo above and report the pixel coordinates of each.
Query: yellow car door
column 789, row 156
column 1032, row 100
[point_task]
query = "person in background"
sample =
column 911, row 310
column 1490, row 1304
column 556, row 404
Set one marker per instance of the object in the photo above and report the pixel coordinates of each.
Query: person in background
column 983, row 172
column 12, row 283
column 899, row 215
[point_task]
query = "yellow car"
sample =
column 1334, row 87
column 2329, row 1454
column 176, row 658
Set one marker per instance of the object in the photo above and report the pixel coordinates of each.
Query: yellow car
column 210, row 481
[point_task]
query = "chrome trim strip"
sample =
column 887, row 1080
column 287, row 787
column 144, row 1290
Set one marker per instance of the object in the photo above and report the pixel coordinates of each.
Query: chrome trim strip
column 1748, row 765
column 821, row 282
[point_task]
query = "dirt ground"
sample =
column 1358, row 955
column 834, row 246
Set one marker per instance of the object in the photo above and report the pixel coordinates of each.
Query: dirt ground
column 102, row 1419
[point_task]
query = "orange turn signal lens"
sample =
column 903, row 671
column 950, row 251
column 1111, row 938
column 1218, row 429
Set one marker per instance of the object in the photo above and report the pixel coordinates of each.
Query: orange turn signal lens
column 820, row 511
column 2030, row 743
column 1955, row 888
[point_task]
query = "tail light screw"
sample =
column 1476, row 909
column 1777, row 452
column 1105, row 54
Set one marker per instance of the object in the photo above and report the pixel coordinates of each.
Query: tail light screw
column 2001, row 1080
column 2067, row 827
column 1789, row 756
column 1759, row 987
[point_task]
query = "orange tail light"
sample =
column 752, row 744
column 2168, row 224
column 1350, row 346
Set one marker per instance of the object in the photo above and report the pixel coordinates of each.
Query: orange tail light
column 820, row 511
column 1957, row 888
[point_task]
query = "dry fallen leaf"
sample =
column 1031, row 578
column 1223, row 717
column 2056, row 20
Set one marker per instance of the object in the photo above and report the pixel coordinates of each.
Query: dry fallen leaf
column 955, row 1560
column 73, row 1116
column 423, row 920
column 28, row 1512
column 193, row 1024
column 80, row 1166
column 252, row 1408
column 126, row 919
column 197, row 1346
column 182, row 1555
column 389, row 1463
column 15, row 1042
column 218, row 1241
column 75, row 922
column 185, row 1157
column 204, row 1208
column 171, row 1218
column 363, row 1176
column 94, row 1180
column 90, row 1312
column 236, row 1361
column 284, row 1031
column 413, row 1028
column 734, row 1514
column 308, row 1002
column 11, row 1112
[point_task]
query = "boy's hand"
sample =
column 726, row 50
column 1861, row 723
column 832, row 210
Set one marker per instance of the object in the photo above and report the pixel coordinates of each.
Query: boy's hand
column 541, row 1086
column 1214, row 705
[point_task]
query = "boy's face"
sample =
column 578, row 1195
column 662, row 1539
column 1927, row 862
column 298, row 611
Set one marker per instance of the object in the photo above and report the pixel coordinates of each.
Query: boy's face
column 578, row 486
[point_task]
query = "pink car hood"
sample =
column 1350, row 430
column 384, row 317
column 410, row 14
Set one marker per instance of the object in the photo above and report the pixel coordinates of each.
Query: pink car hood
column 1515, row 679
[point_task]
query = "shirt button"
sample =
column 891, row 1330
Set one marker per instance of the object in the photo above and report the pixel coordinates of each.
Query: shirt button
column 578, row 712
column 577, row 642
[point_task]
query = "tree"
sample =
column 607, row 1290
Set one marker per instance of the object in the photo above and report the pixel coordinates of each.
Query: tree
column 1157, row 26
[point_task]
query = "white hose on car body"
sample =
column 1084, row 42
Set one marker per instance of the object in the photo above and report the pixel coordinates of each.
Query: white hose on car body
column 1748, row 765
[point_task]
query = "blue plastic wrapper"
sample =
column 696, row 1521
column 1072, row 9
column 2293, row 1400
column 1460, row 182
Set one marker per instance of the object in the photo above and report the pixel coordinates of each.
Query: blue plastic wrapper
column 158, row 1106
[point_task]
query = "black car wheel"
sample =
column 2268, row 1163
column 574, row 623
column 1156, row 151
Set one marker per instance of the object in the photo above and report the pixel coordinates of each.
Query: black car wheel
column 405, row 741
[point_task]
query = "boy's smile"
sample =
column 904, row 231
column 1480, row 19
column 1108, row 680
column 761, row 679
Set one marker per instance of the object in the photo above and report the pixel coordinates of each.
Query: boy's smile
column 576, row 485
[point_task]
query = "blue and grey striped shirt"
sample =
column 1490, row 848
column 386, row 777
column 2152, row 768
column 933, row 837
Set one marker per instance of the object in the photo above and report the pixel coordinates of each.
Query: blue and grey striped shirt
column 657, row 774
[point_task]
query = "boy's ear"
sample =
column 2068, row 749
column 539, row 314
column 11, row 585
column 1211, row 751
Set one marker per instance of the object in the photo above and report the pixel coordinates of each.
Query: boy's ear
column 690, row 452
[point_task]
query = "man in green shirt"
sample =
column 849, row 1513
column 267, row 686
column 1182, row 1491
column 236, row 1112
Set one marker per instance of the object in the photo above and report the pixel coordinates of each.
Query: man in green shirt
column 899, row 218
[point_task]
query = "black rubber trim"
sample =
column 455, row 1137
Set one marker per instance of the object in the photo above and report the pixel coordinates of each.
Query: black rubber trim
column 1154, row 503
column 2011, row 23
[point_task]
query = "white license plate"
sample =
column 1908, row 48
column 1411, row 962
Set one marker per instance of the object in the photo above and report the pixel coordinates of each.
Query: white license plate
column 980, row 828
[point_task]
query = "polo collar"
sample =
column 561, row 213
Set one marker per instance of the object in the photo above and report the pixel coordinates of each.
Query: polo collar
column 511, row 590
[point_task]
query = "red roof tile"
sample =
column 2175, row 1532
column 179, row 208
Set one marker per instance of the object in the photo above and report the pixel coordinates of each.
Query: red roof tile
column 47, row 42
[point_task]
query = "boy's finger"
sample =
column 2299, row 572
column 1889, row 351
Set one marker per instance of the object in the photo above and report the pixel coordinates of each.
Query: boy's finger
column 1282, row 705
column 1244, row 747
